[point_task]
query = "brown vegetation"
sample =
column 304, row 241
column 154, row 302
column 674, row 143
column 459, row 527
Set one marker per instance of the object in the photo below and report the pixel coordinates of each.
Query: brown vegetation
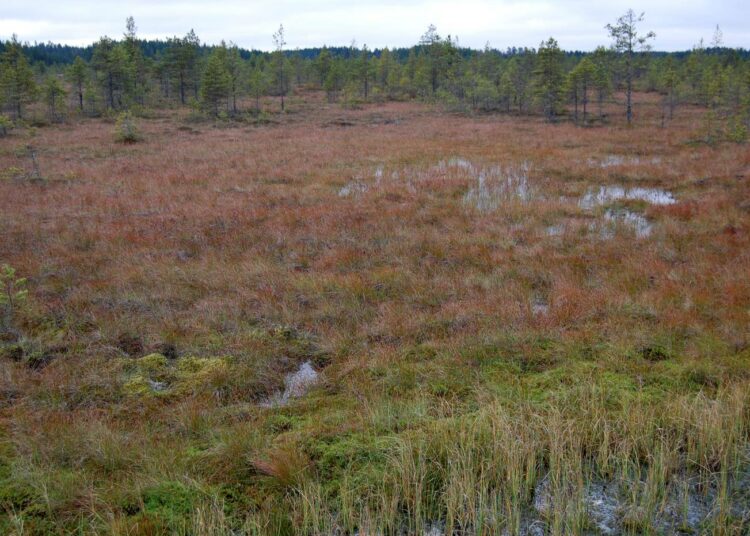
column 479, row 337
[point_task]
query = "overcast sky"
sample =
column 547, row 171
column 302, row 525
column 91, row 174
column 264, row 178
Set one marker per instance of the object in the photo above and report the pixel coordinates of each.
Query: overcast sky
column 576, row 24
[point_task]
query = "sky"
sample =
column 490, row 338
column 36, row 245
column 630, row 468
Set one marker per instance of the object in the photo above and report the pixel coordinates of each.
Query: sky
column 576, row 24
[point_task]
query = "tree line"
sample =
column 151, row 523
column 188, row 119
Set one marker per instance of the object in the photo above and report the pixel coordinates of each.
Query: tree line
column 226, row 81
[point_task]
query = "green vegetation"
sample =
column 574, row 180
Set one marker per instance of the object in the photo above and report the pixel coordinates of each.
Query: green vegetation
column 138, row 75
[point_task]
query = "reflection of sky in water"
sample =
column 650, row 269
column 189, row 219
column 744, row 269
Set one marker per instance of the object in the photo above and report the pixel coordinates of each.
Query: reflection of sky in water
column 296, row 384
column 607, row 194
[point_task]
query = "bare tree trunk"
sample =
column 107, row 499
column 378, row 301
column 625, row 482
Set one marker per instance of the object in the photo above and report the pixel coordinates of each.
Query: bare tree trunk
column 671, row 105
column 629, row 90
column 111, row 91
column 585, row 103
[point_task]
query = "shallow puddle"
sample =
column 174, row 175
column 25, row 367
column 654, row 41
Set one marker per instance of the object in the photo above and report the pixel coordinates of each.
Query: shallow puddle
column 493, row 186
column 539, row 305
column 555, row 230
column 497, row 185
column 608, row 194
column 296, row 384
column 613, row 160
column 633, row 220
column 457, row 162
column 353, row 188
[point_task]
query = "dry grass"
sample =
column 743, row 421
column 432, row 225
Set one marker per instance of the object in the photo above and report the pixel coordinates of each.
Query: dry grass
column 475, row 356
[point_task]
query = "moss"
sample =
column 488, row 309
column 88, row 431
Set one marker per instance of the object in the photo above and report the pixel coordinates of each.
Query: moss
column 280, row 423
column 146, row 370
column 188, row 375
column 195, row 365
column 137, row 385
column 169, row 504
column 17, row 496
column 170, row 496
column 153, row 364
column 454, row 382
column 702, row 376
column 202, row 374
column 663, row 377
column 361, row 457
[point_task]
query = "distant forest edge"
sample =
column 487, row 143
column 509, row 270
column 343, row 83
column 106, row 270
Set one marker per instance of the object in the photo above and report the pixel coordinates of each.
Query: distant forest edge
column 225, row 81
column 58, row 54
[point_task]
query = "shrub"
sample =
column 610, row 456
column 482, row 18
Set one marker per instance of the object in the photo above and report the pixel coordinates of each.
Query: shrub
column 737, row 130
column 126, row 130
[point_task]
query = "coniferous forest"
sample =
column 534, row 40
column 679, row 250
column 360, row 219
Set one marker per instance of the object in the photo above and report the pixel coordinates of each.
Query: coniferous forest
column 128, row 74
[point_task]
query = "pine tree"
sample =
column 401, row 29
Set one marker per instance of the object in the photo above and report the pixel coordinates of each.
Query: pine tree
column 323, row 64
column 258, row 83
column 236, row 72
column 580, row 80
column 669, row 81
column 182, row 56
column 112, row 66
column 517, row 80
column 16, row 78
column 384, row 66
column 363, row 70
column 602, row 76
column 77, row 75
column 335, row 80
column 136, row 61
column 437, row 58
column 53, row 93
column 548, row 77
column 628, row 42
column 215, row 83
column 279, row 60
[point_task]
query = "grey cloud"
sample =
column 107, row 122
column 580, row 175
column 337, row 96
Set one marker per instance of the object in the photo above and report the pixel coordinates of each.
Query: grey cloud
column 577, row 24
